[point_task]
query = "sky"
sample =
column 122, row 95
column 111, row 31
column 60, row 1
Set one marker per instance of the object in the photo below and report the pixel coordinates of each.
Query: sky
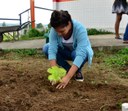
column 12, row 9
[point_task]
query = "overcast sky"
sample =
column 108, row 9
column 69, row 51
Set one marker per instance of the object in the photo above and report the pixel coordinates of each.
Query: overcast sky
column 12, row 8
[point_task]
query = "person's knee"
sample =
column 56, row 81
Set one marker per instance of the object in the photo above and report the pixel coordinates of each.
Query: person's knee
column 45, row 49
column 73, row 55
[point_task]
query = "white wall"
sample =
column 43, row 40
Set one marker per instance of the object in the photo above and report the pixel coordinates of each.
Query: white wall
column 92, row 13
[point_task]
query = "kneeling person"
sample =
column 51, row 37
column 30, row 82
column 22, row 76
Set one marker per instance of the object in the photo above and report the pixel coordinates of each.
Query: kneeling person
column 68, row 40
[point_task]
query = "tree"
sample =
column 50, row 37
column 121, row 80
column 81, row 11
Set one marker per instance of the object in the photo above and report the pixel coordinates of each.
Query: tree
column 3, row 24
column 39, row 25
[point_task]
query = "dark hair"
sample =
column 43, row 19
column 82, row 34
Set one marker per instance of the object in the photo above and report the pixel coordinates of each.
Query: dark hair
column 60, row 18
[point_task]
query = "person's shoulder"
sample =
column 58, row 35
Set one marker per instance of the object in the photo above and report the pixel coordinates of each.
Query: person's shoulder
column 78, row 24
column 52, row 31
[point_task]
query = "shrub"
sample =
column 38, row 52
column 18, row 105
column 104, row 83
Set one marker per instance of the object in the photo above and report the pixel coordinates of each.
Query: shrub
column 94, row 31
column 34, row 33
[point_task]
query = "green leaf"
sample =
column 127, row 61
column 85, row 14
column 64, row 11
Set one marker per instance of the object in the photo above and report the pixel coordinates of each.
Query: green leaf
column 56, row 74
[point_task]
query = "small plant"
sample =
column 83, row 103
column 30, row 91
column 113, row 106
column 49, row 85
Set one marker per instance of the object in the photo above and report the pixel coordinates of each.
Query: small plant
column 119, row 105
column 56, row 74
column 120, row 59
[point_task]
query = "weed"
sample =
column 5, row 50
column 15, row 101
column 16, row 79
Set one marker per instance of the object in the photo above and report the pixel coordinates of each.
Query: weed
column 120, row 59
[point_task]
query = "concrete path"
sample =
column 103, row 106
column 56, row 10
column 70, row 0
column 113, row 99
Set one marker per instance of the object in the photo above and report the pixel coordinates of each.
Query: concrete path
column 98, row 41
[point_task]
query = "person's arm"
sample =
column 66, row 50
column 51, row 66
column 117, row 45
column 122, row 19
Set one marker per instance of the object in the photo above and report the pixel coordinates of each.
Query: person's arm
column 80, row 50
column 53, row 45
column 53, row 63
column 67, row 78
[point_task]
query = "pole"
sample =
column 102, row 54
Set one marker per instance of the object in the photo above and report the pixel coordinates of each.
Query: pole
column 32, row 8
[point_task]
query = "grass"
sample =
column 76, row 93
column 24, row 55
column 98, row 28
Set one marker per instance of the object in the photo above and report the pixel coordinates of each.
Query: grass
column 112, row 58
column 93, row 31
column 116, row 59
column 119, row 61
column 20, row 53
column 24, row 37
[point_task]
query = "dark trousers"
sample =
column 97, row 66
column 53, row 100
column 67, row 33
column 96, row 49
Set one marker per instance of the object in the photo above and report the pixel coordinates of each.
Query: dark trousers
column 63, row 55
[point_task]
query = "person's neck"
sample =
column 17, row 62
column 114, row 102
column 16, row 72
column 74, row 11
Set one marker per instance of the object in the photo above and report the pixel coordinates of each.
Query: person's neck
column 69, row 34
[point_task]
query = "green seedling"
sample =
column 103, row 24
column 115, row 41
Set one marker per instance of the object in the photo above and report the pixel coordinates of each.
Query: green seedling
column 56, row 74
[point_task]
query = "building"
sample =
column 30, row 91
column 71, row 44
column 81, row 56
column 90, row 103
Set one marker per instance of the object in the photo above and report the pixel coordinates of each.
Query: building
column 92, row 13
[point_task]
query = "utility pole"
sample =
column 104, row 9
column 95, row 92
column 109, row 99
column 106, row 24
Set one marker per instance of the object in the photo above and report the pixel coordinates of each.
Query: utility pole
column 32, row 8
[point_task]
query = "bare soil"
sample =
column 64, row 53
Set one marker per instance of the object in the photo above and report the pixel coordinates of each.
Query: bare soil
column 24, row 87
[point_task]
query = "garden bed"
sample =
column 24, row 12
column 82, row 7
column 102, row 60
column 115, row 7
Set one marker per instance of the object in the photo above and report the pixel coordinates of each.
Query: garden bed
column 24, row 85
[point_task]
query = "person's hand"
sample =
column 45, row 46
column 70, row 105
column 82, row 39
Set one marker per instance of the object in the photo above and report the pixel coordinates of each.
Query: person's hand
column 63, row 82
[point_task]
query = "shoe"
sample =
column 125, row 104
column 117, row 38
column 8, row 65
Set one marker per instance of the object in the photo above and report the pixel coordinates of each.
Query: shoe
column 79, row 77
column 125, row 41
column 118, row 38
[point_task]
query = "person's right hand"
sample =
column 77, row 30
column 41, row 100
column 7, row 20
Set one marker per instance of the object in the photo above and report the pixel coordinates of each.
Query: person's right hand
column 63, row 83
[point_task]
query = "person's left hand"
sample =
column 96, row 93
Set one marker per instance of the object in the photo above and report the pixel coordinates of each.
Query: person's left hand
column 63, row 82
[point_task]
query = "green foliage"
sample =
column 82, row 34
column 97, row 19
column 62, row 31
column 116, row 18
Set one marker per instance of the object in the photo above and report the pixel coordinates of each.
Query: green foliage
column 7, row 38
column 56, row 74
column 3, row 24
column 120, row 59
column 123, row 51
column 94, row 31
column 34, row 33
column 39, row 33
column 39, row 25
column 27, row 52
column 19, row 54
column 119, row 105
column 23, row 52
column 25, row 37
